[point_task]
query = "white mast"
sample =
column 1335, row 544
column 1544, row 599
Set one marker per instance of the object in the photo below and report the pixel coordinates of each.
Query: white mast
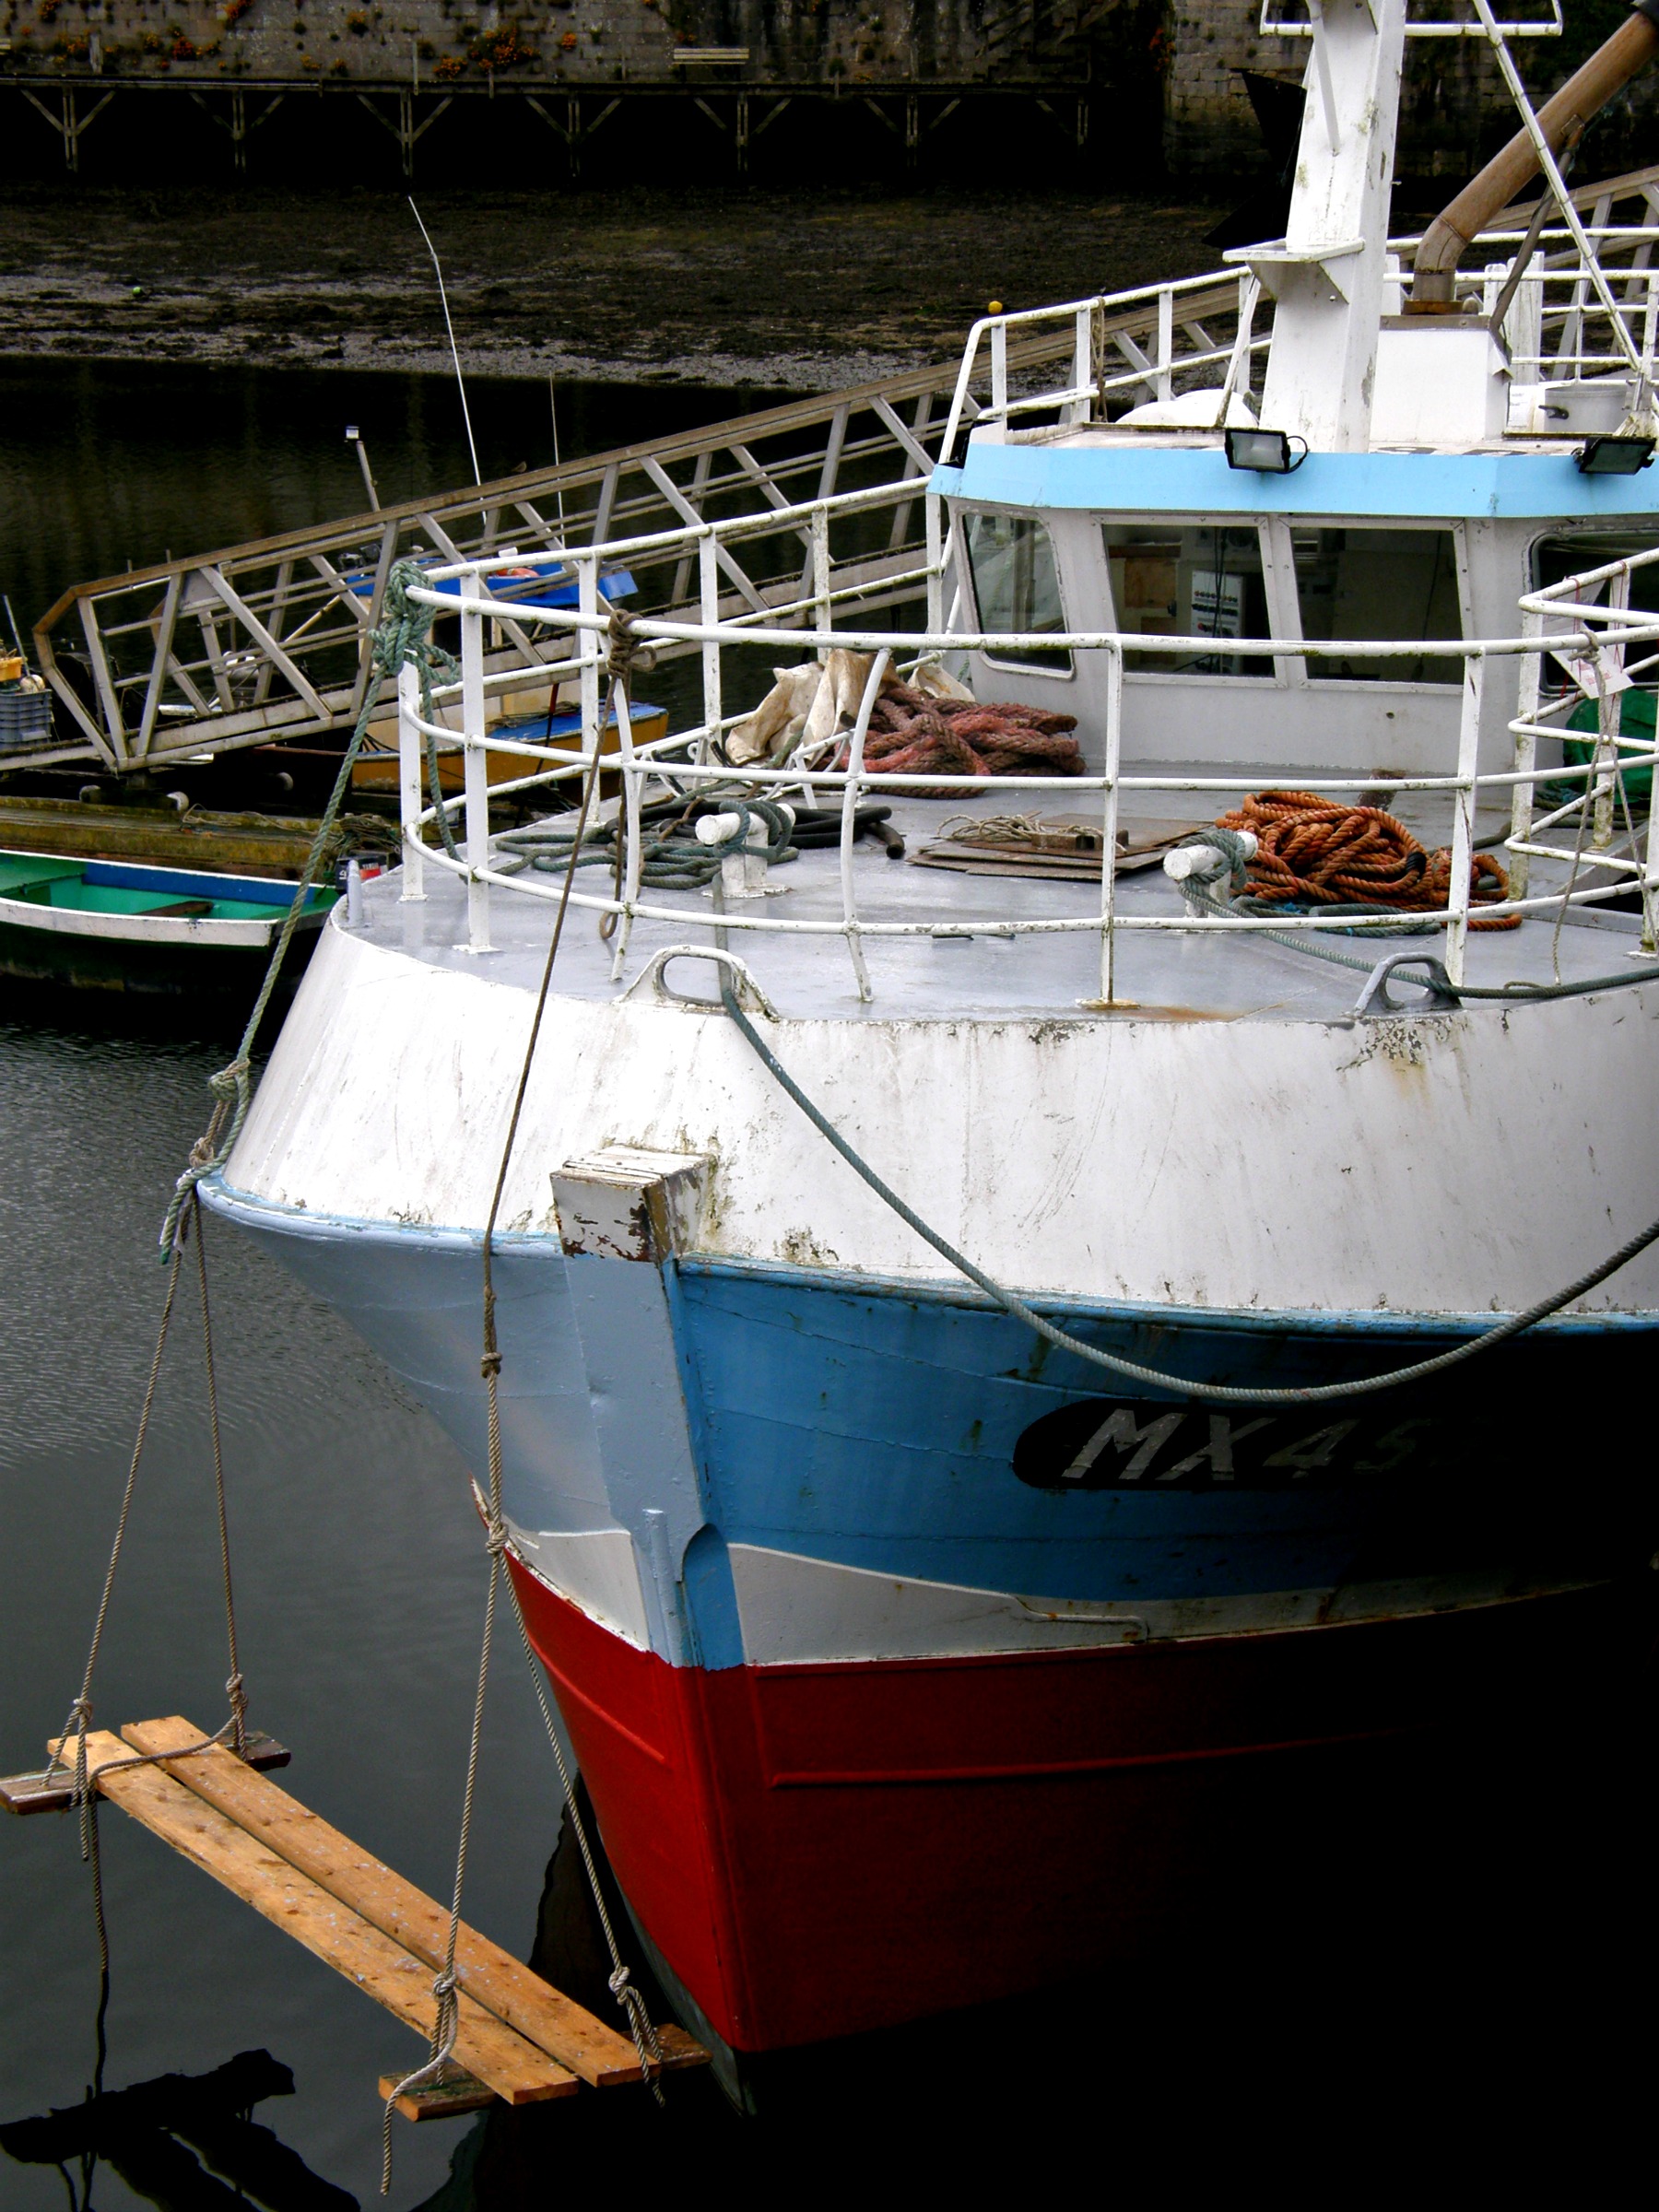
column 1327, row 274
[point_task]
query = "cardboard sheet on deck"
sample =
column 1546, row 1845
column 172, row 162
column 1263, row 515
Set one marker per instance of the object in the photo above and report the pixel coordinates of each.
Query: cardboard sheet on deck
column 1065, row 847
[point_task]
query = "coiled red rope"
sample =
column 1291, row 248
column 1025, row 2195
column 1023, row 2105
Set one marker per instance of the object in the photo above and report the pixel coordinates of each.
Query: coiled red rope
column 1312, row 851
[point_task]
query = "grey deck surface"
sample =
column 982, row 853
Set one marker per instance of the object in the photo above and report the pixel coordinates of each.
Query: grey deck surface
column 1159, row 974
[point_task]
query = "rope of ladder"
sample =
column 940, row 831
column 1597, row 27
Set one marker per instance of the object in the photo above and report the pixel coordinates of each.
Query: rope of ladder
column 629, row 1999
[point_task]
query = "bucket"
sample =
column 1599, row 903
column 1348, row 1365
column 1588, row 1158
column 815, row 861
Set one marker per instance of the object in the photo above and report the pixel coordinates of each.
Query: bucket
column 1635, row 720
column 25, row 720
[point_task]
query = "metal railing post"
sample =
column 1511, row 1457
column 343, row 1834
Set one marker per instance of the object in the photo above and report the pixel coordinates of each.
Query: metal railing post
column 475, row 761
column 1164, row 382
column 848, row 821
column 1526, row 752
column 1109, row 820
column 1082, row 377
column 708, row 598
column 935, row 512
column 587, row 603
column 999, row 371
column 1463, row 814
column 631, row 818
column 408, row 783
column 819, row 528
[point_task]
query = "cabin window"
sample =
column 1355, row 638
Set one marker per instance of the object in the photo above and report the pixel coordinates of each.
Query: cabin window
column 1400, row 584
column 1556, row 558
column 1017, row 585
column 1198, row 581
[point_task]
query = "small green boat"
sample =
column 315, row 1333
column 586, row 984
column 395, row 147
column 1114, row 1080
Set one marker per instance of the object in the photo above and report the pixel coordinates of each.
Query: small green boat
column 116, row 925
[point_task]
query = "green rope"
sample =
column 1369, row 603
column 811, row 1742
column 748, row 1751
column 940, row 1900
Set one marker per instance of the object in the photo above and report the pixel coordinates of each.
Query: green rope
column 672, row 857
column 402, row 638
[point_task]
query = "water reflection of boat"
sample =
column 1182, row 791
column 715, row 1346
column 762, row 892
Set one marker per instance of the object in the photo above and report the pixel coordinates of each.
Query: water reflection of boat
column 908, row 1654
column 167, row 2138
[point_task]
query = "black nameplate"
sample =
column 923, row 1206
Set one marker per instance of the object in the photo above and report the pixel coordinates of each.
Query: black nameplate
column 1140, row 1443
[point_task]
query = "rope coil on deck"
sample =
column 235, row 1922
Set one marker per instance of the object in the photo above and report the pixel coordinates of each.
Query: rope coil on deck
column 1315, row 855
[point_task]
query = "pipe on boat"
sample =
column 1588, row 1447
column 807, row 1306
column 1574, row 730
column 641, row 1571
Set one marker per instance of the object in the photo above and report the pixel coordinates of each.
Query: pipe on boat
column 1561, row 118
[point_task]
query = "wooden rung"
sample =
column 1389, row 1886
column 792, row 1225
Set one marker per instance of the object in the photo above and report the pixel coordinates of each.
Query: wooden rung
column 501, row 1984
column 445, row 2100
column 52, row 1790
column 514, row 2069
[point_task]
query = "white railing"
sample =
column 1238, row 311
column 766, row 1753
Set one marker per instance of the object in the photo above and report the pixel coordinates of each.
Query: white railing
column 1593, row 605
column 1108, row 357
column 1158, row 341
column 1557, row 624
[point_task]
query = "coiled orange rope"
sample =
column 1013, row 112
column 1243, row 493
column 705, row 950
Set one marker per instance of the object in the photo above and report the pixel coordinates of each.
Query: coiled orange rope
column 1312, row 851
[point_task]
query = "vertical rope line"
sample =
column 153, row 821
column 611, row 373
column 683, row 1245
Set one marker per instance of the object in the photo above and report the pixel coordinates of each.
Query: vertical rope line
column 234, row 1688
column 447, row 2021
column 80, row 1712
column 620, row 1985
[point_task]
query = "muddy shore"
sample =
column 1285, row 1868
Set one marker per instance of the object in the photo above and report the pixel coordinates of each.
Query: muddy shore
column 807, row 291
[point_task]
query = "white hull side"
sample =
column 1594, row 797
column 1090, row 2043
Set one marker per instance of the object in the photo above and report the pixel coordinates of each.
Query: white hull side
column 1457, row 1163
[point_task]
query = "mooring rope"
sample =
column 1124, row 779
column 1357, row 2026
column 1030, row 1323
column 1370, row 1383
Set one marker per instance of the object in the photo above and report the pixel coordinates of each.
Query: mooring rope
column 1312, row 853
column 1218, row 1393
column 402, row 637
column 632, row 2004
column 84, row 1792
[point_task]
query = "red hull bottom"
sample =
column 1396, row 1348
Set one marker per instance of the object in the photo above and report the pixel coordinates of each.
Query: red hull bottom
column 819, row 1850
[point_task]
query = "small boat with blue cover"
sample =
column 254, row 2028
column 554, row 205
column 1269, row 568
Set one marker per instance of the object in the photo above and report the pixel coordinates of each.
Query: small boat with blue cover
column 118, row 925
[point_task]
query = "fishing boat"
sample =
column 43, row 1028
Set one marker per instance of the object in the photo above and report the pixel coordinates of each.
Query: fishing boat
column 116, row 925
column 986, row 1362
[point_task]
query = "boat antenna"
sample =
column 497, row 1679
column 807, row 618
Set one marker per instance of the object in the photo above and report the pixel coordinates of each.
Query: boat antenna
column 17, row 633
column 553, row 409
column 455, row 351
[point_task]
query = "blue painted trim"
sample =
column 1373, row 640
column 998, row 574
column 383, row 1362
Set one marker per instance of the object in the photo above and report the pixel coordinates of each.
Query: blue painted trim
column 267, row 1213
column 566, row 725
column 1056, row 1306
column 1197, row 481
column 252, row 890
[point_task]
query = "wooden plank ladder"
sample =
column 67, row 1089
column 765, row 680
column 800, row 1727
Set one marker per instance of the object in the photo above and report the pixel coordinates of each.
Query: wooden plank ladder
column 519, row 2037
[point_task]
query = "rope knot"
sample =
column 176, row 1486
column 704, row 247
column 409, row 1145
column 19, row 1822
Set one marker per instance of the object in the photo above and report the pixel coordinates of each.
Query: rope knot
column 490, row 1366
column 626, row 652
column 1233, row 856
column 495, row 1538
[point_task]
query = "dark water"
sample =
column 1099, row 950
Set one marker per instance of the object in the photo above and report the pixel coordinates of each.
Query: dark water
column 360, row 1579
column 103, row 466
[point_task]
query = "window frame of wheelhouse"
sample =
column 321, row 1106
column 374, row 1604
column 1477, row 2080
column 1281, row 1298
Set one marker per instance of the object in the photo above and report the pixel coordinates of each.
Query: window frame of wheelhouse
column 1246, row 708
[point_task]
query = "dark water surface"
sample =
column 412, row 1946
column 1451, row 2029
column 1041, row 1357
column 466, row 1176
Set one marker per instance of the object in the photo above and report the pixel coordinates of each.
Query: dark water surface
column 105, row 465
column 360, row 1577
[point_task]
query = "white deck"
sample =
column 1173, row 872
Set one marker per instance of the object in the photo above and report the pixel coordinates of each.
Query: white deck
column 1167, row 975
